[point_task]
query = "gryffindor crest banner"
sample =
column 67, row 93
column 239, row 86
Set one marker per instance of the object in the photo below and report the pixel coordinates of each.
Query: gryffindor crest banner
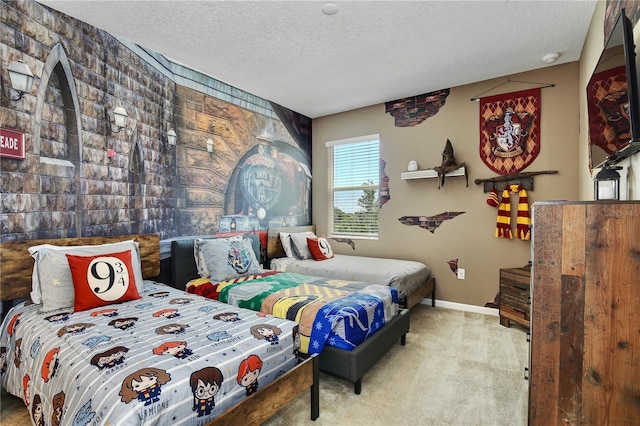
column 510, row 130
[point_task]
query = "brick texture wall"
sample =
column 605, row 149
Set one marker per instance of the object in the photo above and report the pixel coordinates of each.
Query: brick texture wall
column 67, row 185
column 409, row 112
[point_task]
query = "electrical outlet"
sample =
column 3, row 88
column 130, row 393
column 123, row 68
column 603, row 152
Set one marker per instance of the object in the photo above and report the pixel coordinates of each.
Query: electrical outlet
column 460, row 274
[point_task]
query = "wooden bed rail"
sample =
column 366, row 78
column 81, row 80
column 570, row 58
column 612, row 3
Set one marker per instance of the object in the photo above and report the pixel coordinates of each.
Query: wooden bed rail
column 260, row 406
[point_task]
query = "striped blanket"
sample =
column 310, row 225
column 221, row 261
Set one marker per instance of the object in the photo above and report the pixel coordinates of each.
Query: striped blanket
column 331, row 312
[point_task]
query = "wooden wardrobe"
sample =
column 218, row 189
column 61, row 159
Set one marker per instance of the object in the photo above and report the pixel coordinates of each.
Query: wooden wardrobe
column 585, row 314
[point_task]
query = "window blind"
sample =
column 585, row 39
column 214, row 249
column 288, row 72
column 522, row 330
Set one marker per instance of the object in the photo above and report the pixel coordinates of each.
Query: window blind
column 354, row 187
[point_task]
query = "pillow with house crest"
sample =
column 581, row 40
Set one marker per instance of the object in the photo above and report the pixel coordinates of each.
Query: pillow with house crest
column 227, row 258
column 198, row 255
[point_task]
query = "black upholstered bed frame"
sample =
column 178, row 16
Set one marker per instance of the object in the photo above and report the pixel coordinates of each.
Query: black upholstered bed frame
column 350, row 365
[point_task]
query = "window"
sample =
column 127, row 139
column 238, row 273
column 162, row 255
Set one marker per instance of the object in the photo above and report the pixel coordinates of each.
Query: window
column 354, row 186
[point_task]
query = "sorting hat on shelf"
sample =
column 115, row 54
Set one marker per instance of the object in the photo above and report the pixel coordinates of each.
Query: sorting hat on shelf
column 448, row 164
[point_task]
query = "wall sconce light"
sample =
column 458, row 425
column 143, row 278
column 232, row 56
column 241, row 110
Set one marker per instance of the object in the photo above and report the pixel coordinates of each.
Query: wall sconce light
column 233, row 224
column 210, row 147
column 21, row 79
column 171, row 137
column 119, row 119
column 606, row 184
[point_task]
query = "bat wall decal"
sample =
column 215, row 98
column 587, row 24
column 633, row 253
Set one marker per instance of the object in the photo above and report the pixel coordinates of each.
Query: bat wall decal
column 346, row 240
column 430, row 223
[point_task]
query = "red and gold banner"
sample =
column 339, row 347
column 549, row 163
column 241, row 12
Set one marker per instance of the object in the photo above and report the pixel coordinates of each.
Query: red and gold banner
column 609, row 126
column 510, row 130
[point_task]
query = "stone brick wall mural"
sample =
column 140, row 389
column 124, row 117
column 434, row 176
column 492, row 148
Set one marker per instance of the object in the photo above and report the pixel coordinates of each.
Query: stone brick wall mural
column 67, row 185
column 81, row 177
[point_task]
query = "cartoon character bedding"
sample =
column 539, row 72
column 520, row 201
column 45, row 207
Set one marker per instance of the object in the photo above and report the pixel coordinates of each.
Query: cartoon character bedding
column 330, row 312
column 166, row 357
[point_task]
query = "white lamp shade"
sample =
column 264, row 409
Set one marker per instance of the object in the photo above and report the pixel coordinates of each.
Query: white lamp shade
column 120, row 117
column 21, row 76
column 171, row 137
column 210, row 145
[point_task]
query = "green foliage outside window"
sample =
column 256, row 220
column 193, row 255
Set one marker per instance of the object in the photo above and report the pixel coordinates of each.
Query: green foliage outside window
column 365, row 220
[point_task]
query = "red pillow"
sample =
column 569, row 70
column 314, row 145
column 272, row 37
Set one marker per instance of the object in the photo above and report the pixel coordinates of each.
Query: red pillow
column 102, row 279
column 320, row 248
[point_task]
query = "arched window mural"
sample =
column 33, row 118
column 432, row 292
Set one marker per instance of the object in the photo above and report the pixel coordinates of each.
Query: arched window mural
column 58, row 141
column 136, row 190
column 74, row 178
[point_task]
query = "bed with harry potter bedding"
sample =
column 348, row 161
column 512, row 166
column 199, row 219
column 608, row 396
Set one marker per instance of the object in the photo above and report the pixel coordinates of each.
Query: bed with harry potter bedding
column 108, row 347
column 350, row 324
column 299, row 249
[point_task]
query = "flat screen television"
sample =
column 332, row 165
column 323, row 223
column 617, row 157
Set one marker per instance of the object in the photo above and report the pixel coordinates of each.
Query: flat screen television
column 613, row 99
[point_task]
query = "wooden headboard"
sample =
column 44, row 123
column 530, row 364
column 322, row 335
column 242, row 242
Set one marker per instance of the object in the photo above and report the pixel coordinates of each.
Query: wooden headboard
column 274, row 246
column 16, row 265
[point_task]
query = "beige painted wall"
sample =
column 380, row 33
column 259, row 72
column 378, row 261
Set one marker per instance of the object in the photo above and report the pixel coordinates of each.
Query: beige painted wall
column 469, row 237
column 591, row 51
column 593, row 45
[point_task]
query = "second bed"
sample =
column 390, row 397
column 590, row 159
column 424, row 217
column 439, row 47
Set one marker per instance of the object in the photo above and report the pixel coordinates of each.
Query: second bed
column 356, row 315
column 413, row 280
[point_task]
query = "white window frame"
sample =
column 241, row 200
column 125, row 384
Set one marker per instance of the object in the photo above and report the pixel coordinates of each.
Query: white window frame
column 331, row 189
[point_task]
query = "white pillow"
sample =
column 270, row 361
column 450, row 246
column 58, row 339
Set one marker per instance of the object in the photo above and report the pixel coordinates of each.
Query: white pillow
column 52, row 284
column 299, row 244
column 201, row 264
column 229, row 258
column 286, row 243
column 285, row 239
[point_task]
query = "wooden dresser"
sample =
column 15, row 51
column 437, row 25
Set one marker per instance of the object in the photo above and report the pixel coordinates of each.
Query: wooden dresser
column 585, row 314
column 514, row 296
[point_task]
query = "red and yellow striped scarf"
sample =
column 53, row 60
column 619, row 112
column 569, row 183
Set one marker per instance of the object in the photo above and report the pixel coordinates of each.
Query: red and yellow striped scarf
column 523, row 221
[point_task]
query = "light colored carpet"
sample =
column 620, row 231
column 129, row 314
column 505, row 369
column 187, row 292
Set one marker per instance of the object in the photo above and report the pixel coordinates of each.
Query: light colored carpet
column 457, row 368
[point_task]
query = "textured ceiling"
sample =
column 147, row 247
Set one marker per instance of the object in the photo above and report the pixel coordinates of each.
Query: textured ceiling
column 369, row 52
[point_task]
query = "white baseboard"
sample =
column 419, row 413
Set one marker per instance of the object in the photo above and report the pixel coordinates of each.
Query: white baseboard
column 463, row 307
